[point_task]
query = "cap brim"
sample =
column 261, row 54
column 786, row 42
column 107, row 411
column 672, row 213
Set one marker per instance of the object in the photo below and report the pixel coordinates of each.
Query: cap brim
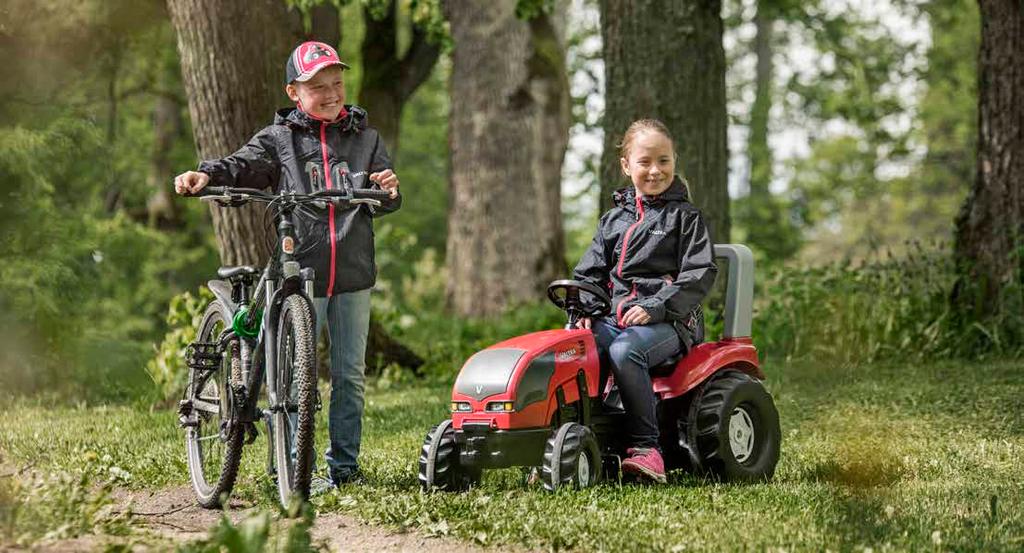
column 307, row 76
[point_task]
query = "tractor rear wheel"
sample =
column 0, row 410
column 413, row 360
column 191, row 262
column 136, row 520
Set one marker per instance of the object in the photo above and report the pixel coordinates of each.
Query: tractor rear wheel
column 733, row 427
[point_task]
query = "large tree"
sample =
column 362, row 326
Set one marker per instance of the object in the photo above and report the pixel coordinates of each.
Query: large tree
column 990, row 227
column 231, row 60
column 508, row 134
column 664, row 59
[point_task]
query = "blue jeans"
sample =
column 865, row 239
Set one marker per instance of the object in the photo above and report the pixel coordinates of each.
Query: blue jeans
column 629, row 353
column 348, row 322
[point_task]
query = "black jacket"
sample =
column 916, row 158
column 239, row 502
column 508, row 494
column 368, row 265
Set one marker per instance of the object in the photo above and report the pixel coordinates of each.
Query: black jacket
column 289, row 155
column 668, row 266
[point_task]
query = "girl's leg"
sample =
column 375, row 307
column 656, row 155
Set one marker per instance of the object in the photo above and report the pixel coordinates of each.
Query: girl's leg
column 635, row 350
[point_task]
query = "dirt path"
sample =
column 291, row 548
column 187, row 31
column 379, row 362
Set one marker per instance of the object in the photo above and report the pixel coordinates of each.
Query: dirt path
column 172, row 517
column 173, row 513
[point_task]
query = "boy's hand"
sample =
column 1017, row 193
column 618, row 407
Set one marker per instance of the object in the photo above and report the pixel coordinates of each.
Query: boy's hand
column 583, row 323
column 388, row 180
column 190, row 182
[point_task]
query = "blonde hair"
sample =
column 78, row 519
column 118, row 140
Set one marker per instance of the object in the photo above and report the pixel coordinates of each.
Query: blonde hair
column 638, row 126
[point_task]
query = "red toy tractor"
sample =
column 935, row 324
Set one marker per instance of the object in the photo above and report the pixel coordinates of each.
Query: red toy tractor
column 542, row 400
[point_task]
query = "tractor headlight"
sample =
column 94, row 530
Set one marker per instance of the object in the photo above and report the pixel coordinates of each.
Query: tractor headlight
column 461, row 407
column 499, row 407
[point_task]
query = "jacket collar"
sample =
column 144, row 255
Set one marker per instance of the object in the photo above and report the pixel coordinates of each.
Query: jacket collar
column 676, row 192
column 354, row 119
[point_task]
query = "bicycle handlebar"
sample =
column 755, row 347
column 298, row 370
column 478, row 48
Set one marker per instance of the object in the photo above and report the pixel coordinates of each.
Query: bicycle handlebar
column 233, row 194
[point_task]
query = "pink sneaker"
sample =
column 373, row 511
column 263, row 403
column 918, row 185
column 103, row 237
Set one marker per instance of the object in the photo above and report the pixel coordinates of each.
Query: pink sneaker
column 645, row 462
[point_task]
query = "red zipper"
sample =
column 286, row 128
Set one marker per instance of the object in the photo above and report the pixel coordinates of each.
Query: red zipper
column 330, row 212
column 622, row 254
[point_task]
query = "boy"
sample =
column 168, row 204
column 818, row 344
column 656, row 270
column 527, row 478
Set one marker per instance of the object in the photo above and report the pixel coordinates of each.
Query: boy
column 318, row 145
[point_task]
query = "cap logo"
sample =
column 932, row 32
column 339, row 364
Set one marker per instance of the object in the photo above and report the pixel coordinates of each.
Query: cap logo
column 313, row 55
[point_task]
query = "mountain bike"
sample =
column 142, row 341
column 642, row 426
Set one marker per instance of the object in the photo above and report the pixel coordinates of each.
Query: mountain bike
column 256, row 335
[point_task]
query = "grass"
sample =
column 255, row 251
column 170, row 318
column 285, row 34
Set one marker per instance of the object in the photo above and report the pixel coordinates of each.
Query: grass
column 884, row 457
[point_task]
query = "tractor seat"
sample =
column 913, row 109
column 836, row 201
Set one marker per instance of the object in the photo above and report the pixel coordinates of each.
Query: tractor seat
column 666, row 367
column 232, row 272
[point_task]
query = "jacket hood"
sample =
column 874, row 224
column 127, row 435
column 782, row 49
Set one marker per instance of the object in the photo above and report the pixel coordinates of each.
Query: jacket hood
column 355, row 118
column 676, row 192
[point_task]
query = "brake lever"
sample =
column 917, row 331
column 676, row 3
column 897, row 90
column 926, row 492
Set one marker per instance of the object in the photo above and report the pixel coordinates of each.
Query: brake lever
column 367, row 201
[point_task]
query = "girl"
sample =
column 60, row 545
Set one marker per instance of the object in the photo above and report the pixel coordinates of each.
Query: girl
column 654, row 254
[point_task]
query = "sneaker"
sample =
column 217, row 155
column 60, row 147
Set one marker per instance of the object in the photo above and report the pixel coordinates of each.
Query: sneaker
column 348, row 476
column 645, row 462
column 319, row 485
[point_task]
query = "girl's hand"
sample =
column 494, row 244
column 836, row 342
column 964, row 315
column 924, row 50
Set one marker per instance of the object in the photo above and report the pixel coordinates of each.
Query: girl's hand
column 190, row 182
column 636, row 316
column 388, row 180
column 583, row 323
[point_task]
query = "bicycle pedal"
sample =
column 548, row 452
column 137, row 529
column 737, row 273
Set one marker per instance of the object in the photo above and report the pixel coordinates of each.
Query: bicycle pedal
column 204, row 356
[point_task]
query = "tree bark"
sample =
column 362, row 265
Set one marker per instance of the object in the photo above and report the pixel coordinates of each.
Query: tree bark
column 390, row 78
column 161, row 209
column 232, row 55
column 679, row 80
column 508, row 134
column 990, row 225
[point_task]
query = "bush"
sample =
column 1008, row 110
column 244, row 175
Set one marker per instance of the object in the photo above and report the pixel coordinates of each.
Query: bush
column 896, row 308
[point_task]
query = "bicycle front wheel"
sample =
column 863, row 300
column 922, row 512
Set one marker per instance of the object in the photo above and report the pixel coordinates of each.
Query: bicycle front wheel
column 296, row 393
column 213, row 445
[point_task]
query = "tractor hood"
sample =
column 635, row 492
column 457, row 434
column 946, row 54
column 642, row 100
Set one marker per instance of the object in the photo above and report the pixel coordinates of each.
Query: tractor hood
column 491, row 371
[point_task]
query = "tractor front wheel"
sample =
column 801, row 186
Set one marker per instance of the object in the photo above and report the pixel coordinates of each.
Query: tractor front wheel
column 439, row 462
column 571, row 458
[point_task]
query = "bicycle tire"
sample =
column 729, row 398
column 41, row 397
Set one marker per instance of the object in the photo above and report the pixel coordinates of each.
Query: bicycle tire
column 212, row 456
column 296, row 381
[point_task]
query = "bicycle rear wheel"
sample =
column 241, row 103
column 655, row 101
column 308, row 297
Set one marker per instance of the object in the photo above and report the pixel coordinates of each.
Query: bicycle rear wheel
column 212, row 444
column 296, row 391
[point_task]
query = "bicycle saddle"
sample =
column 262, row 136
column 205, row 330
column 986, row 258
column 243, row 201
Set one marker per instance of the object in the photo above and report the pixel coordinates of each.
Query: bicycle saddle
column 232, row 272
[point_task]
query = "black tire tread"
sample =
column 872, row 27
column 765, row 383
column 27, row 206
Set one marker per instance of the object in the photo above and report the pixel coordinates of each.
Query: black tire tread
column 295, row 312
column 561, row 454
column 706, row 421
column 447, row 474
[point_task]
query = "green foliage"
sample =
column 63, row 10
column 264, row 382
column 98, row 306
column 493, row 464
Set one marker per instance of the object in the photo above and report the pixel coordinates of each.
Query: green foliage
column 258, row 533
column 167, row 368
column 896, row 308
column 38, row 506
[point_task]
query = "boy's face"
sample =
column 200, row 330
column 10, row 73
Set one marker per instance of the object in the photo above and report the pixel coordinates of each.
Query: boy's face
column 650, row 163
column 322, row 96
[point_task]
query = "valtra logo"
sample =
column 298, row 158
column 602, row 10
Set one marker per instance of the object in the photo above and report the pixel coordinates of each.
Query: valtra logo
column 572, row 354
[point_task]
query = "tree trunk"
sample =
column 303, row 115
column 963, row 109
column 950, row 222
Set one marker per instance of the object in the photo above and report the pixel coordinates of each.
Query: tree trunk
column 990, row 225
column 679, row 80
column 390, row 79
column 232, row 56
column 161, row 209
column 508, row 134
column 325, row 25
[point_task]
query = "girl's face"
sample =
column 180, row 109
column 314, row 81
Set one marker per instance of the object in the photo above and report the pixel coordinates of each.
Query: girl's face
column 322, row 96
column 650, row 163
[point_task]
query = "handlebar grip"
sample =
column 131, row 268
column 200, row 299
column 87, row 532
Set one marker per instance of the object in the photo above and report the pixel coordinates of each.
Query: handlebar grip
column 208, row 191
column 371, row 193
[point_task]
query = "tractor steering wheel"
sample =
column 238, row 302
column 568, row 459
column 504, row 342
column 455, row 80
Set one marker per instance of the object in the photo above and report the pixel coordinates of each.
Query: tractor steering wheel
column 565, row 294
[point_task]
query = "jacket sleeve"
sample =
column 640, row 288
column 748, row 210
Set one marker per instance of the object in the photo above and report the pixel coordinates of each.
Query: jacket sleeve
column 697, row 271
column 379, row 162
column 595, row 264
column 254, row 165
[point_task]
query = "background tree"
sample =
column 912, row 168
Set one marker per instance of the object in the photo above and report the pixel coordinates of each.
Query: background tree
column 664, row 59
column 231, row 56
column 762, row 216
column 990, row 227
column 508, row 134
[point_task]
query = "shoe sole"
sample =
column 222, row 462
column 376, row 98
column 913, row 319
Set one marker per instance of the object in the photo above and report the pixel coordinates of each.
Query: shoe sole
column 643, row 471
